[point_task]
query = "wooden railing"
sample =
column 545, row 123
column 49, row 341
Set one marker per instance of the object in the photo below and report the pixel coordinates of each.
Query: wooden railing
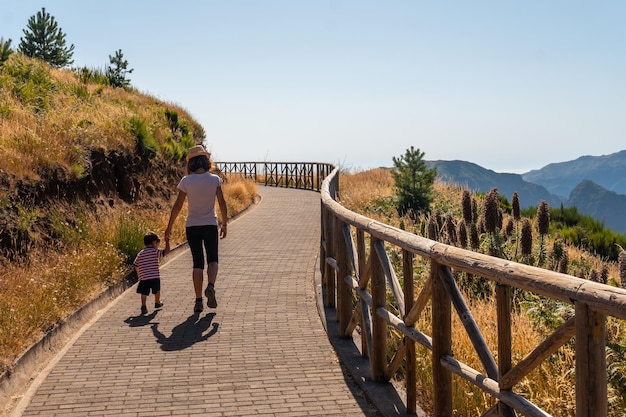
column 364, row 271
column 304, row 175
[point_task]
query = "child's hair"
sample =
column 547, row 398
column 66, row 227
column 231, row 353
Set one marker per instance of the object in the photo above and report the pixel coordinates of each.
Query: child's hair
column 150, row 237
column 198, row 162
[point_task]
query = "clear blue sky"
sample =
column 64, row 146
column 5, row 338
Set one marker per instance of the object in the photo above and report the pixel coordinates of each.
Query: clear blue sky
column 511, row 86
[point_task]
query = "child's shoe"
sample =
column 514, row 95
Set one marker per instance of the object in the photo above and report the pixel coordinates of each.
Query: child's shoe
column 197, row 307
column 158, row 305
column 144, row 310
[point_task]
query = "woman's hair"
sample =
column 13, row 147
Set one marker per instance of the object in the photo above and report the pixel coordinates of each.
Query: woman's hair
column 198, row 162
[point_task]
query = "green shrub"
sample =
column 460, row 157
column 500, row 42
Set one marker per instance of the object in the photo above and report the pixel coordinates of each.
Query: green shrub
column 91, row 75
column 146, row 144
column 128, row 237
column 32, row 84
column 70, row 230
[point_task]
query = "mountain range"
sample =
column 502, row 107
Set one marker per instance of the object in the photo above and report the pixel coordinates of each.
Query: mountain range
column 595, row 185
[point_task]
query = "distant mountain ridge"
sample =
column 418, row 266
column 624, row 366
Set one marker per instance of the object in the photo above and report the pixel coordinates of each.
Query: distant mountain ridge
column 476, row 178
column 608, row 171
column 595, row 185
column 600, row 203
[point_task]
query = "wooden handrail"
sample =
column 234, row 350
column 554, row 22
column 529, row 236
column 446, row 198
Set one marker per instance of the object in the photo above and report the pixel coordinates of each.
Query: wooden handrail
column 593, row 303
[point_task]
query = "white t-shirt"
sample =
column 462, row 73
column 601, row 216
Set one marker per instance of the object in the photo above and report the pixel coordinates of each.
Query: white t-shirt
column 200, row 190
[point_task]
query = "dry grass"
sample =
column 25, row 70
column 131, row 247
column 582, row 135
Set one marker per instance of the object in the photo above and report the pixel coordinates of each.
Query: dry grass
column 34, row 298
column 239, row 193
column 48, row 118
column 358, row 189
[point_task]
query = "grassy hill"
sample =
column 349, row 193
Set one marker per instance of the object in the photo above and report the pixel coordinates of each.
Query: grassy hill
column 85, row 170
column 67, row 138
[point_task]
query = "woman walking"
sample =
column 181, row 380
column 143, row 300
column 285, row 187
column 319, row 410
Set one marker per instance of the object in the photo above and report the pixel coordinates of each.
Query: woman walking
column 201, row 189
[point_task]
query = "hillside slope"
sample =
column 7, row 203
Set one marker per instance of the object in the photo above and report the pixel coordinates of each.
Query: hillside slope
column 69, row 141
column 603, row 205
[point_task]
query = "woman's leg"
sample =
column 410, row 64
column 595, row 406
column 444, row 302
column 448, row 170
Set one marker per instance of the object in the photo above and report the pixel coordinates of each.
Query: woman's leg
column 197, row 276
column 194, row 239
column 211, row 248
column 212, row 272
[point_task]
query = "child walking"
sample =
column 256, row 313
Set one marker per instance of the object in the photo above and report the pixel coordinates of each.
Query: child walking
column 147, row 267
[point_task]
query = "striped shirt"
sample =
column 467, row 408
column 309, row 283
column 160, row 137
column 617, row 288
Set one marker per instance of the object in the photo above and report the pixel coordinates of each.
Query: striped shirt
column 147, row 263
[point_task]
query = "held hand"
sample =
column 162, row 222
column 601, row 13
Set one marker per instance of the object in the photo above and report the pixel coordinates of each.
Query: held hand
column 168, row 234
column 223, row 231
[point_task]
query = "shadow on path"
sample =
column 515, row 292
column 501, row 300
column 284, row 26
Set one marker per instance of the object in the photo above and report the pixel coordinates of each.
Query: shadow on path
column 141, row 320
column 186, row 333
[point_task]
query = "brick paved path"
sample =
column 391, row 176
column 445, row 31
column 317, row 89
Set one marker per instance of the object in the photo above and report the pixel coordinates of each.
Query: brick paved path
column 262, row 352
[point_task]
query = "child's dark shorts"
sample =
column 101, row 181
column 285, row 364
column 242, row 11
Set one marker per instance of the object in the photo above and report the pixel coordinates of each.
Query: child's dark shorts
column 146, row 285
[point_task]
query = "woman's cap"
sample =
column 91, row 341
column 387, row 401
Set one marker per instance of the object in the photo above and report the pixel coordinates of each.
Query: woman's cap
column 197, row 150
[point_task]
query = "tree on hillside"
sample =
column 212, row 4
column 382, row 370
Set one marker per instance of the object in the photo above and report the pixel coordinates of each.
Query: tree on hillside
column 117, row 70
column 414, row 183
column 44, row 39
column 5, row 50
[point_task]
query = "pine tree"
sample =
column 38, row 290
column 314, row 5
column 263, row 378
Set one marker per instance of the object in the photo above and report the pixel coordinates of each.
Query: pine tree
column 44, row 39
column 117, row 70
column 414, row 182
column 5, row 50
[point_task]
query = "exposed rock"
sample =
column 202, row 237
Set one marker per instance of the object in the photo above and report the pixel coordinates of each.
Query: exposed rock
column 109, row 177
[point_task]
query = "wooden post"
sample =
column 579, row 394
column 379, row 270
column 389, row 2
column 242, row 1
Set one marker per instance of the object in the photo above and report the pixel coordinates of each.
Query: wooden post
column 323, row 242
column 344, row 293
column 409, row 290
column 503, row 302
column 379, row 326
column 591, row 375
column 329, row 276
column 442, row 344
column 360, row 251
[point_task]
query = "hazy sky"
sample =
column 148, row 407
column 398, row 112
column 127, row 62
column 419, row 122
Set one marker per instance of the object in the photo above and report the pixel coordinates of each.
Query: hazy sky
column 511, row 86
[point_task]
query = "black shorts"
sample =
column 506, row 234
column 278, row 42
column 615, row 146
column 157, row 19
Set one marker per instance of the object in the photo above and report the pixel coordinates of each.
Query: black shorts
column 146, row 285
column 199, row 237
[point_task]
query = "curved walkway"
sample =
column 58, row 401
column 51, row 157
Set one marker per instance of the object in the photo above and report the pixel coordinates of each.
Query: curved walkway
column 263, row 351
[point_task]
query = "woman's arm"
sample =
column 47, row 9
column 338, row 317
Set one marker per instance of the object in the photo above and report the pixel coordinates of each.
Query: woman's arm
column 223, row 212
